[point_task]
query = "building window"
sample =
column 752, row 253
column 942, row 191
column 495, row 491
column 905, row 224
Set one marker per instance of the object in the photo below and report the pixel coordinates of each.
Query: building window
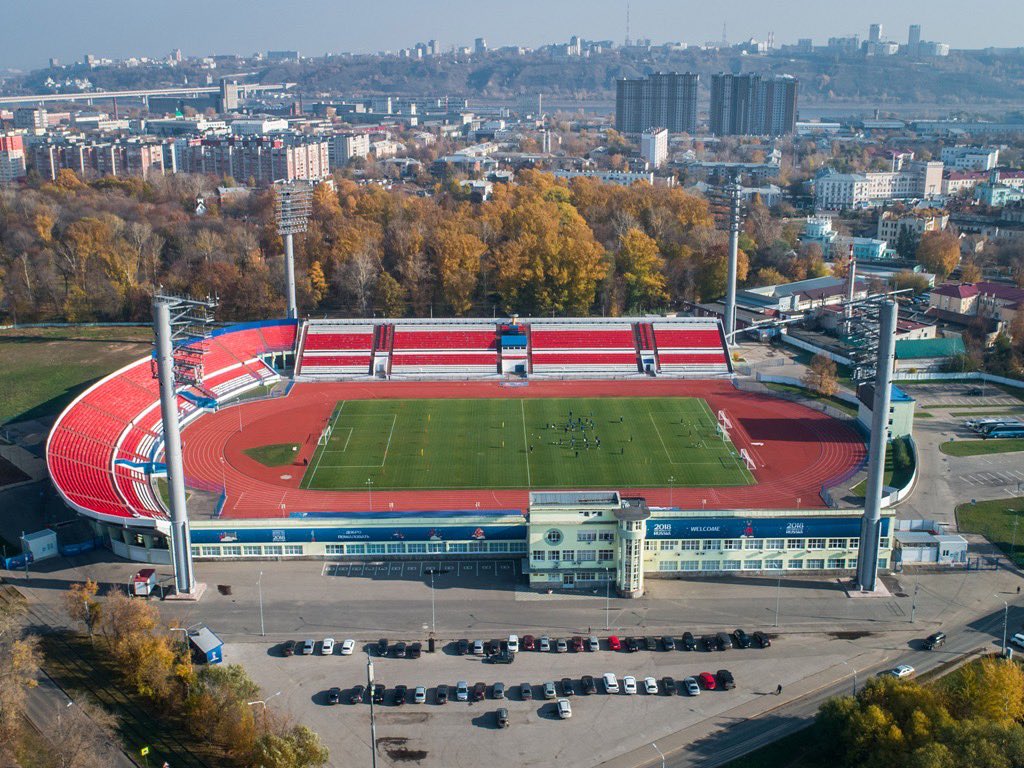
column 375, row 549
column 815, row 543
column 731, row 565
column 416, row 548
column 689, row 565
column 335, row 549
column 272, row 549
column 435, row 547
column 209, row 551
column 795, row 565
column 815, row 564
column 538, row 555
column 691, row 545
column 836, row 562
column 478, row 546
column 773, row 565
column 568, row 554
column 851, row 562
column 356, row 549
column 837, row 543
column 731, row 544
column 606, row 536
column 586, row 537
column 605, row 554
column 553, row 537
column 853, row 543
column 396, row 549
column 774, row 544
column 710, row 544
column 650, row 546
column 753, row 544
column 794, row 543
column 460, row 547
column 252, row 549
column 667, row 545
column 517, row 546
column 668, row 565
column 751, row 565
column 711, row 565
column 587, row 555
column 883, row 562
column 499, row 546
column 196, row 551
column 293, row 549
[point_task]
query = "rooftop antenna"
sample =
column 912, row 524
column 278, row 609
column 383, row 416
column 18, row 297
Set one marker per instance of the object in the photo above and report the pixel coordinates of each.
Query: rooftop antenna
column 725, row 37
column 628, row 3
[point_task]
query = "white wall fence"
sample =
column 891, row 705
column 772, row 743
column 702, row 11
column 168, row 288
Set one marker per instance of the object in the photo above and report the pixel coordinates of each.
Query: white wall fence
column 966, row 376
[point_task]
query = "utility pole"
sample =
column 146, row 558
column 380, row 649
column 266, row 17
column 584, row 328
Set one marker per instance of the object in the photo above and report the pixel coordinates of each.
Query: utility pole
column 259, row 586
column 369, row 490
column 913, row 603
column 734, row 191
column 373, row 721
column 778, row 599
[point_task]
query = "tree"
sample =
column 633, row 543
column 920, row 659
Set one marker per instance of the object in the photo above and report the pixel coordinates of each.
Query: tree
column 317, row 282
column 457, row 256
column 907, row 279
column 991, row 690
column 19, row 662
column 939, row 252
column 81, row 604
column 82, row 735
column 389, row 296
column 821, row 375
column 970, row 272
column 298, row 747
column 641, row 266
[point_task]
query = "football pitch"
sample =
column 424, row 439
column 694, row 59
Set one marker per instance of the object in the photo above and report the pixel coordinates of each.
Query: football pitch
column 607, row 442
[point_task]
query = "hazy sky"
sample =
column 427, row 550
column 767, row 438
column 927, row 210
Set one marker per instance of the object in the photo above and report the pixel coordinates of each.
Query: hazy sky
column 67, row 29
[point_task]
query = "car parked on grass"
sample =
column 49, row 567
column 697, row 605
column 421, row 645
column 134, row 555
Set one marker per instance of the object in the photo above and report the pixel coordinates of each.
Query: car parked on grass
column 614, row 644
column 668, row 643
column 629, row 685
column 399, row 695
column 762, row 640
column 498, row 691
column 611, row 683
column 479, row 691
column 348, row 646
column 707, row 681
column 544, row 644
column 691, row 687
column 308, row 646
column 327, row 646
column 525, row 691
column 593, row 644
column 441, row 694
column 588, row 685
column 741, row 639
column 501, row 718
column 725, row 680
column 650, row 686
column 689, row 642
column 462, row 691
column 419, row 695
column 334, row 695
column 549, row 690
column 561, row 646
column 356, row 696
column 564, row 709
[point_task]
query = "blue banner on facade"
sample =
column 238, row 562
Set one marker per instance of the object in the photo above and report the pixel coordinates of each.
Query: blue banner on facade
column 756, row 527
column 351, row 533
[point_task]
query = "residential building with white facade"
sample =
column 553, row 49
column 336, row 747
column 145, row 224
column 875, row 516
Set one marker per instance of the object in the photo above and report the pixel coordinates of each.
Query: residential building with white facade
column 913, row 179
column 654, row 146
column 970, row 158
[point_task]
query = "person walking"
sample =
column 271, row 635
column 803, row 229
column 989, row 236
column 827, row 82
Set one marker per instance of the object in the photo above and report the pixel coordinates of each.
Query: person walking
column 778, row 691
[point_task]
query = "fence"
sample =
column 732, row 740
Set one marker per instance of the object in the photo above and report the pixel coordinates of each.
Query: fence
column 965, row 376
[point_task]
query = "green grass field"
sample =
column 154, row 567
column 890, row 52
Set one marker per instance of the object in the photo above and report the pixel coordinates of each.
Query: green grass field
column 276, row 455
column 511, row 443
column 982, row 447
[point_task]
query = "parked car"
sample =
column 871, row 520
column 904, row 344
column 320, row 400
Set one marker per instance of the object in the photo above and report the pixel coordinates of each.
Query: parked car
column 478, row 647
column 462, row 647
column 564, row 709
column 529, row 643
column 327, row 646
column 723, row 640
column 479, row 691
column 288, row 648
column 706, row 680
column 741, row 639
column 462, row 691
column 577, row 644
column 668, row 643
column 549, row 690
column 650, row 686
column 441, row 694
column 356, row 696
column 492, row 647
column 935, row 640
column 614, row 644
column 593, row 644
column 334, row 695
column 689, row 643
column 308, row 646
column 633, row 644
column 691, row 687
column 513, row 643
column 901, row 671
column 348, row 646
column 975, row 392
column 651, row 643
column 567, row 687
column 561, row 646
column 762, row 639
column 544, row 644
column 725, row 680
column 709, row 643
column 669, row 684
column 398, row 650
column 1018, row 639
column 498, row 691
column 414, row 651
column 503, row 657
column 629, row 684
column 419, row 695
column 525, row 691
column 382, row 647
column 378, row 693
column 611, row 683
column 399, row 694
column 501, row 717
column 590, row 687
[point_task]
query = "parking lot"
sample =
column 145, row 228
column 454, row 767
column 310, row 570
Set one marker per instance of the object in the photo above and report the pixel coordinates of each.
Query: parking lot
column 457, row 733
column 444, row 573
column 955, row 395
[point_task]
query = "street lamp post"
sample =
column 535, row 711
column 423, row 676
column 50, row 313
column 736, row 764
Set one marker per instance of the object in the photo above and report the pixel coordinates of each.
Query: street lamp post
column 778, row 599
column 1013, row 546
column 1006, row 617
column 259, row 587
column 660, row 754
column 433, row 613
column 369, row 490
column 854, row 675
column 373, row 721
column 263, row 703
column 913, row 604
column 671, row 488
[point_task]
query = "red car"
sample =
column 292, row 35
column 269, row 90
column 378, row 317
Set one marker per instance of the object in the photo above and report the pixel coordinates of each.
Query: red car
column 614, row 644
column 529, row 642
column 707, row 681
column 577, row 644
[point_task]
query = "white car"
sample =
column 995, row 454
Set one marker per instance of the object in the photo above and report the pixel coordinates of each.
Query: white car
column 308, row 646
column 593, row 643
column 564, row 709
column 903, row 670
column 327, row 647
column 419, row 696
column 691, row 687
column 629, row 684
column 651, row 686
column 462, row 691
column 478, row 647
column 544, row 644
column 1018, row 639
column 513, row 643
column 347, row 647
column 611, row 684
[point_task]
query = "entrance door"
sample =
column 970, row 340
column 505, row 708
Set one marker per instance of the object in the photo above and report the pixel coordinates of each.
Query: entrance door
column 568, row 580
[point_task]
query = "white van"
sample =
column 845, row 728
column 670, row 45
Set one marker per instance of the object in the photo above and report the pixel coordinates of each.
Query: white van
column 611, row 685
column 513, row 643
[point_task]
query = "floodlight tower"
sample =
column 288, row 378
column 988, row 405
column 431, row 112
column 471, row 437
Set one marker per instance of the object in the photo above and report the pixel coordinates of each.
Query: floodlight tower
column 292, row 208
column 181, row 327
column 727, row 207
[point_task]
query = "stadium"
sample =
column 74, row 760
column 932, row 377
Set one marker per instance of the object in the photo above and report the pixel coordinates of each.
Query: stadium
column 589, row 451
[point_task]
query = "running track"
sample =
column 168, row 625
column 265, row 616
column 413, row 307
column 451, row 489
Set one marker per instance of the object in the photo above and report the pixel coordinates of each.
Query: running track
column 797, row 450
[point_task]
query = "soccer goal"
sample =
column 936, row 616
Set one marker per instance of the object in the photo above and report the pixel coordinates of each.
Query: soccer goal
column 747, row 460
column 723, row 420
column 325, row 436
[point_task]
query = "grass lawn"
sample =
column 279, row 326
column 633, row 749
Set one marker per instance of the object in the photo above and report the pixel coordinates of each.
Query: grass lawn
column 273, row 455
column 995, row 521
column 510, row 443
column 982, row 447
column 842, row 405
column 45, row 368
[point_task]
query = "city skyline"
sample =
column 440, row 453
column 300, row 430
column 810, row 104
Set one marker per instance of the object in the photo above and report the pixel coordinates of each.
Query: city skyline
column 247, row 28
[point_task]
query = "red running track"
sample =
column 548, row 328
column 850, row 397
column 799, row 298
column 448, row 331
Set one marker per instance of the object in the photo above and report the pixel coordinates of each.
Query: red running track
column 796, row 450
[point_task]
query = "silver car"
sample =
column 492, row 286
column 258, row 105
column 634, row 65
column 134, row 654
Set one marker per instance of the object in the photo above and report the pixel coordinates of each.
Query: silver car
column 462, row 691
column 691, row 687
column 549, row 691
column 419, row 696
column 544, row 644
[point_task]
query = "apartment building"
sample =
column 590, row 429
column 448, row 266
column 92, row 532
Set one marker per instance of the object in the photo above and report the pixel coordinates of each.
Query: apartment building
column 913, row 179
column 744, row 105
column 12, row 158
column 668, row 100
column 970, row 158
